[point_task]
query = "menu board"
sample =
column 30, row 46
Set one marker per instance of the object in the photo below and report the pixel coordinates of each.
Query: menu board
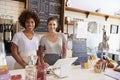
column 46, row 9
column 79, row 48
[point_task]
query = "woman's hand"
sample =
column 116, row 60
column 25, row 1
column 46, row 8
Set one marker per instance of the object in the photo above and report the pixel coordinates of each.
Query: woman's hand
column 46, row 64
column 39, row 62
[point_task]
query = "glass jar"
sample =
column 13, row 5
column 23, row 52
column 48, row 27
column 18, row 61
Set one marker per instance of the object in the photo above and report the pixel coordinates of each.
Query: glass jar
column 41, row 72
column 31, row 72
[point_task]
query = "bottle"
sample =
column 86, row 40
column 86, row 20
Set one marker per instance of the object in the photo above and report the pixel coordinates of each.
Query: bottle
column 3, row 63
column 41, row 72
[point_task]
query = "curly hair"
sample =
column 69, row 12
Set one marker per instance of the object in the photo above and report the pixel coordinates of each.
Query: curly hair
column 27, row 14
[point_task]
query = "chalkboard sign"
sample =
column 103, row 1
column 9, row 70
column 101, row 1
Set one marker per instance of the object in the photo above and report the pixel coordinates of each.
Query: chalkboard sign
column 79, row 50
column 79, row 45
column 46, row 9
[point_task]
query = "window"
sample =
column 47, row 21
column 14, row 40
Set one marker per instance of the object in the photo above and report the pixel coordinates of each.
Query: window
column 114, row 29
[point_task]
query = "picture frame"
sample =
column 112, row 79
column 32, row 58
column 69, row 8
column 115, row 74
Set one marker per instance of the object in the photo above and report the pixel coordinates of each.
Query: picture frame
column 92, row 27
column 114, row 29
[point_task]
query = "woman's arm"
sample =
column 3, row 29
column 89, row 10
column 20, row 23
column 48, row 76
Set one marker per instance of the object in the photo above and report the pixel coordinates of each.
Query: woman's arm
column 41, row 50
column 64, row 50
column 17, row 57
column 42, row 61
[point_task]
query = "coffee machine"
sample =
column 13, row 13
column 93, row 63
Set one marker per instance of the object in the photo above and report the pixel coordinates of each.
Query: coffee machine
column 6, row 32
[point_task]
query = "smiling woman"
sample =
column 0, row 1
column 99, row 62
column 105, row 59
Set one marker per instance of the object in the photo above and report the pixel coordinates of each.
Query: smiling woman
column 26, row 43
column 53, row 44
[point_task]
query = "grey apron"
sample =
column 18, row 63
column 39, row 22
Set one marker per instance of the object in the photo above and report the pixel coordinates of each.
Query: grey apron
column 51, row 58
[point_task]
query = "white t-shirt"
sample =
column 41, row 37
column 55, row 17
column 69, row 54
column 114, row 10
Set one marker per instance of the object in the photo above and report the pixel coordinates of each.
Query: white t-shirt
column 24, row 44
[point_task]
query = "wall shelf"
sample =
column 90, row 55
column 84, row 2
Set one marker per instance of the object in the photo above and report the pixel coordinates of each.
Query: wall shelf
column 69, row 23
column 91, row 13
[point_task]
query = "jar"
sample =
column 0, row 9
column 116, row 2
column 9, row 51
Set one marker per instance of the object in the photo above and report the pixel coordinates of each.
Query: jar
column 41, row 72
column 30, row 72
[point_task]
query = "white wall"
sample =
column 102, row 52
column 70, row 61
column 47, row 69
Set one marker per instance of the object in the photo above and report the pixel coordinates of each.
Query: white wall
column 106, row 6
column 94, row 38
column 11, row 8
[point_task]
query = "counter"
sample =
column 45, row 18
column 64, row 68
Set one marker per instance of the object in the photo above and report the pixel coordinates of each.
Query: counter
column 76, row 73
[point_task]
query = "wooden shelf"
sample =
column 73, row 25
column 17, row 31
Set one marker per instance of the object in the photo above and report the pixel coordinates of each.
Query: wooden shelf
column 91, row 13
column 69, row 23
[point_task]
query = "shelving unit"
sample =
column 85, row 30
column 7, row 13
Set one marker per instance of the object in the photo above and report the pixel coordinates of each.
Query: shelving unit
column 91, row 13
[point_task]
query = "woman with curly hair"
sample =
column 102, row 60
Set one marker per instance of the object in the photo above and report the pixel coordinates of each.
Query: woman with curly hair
column 26, row 43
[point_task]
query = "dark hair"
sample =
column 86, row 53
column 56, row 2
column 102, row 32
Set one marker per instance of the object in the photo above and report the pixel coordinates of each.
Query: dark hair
column 27, row 14
column 52, row 18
